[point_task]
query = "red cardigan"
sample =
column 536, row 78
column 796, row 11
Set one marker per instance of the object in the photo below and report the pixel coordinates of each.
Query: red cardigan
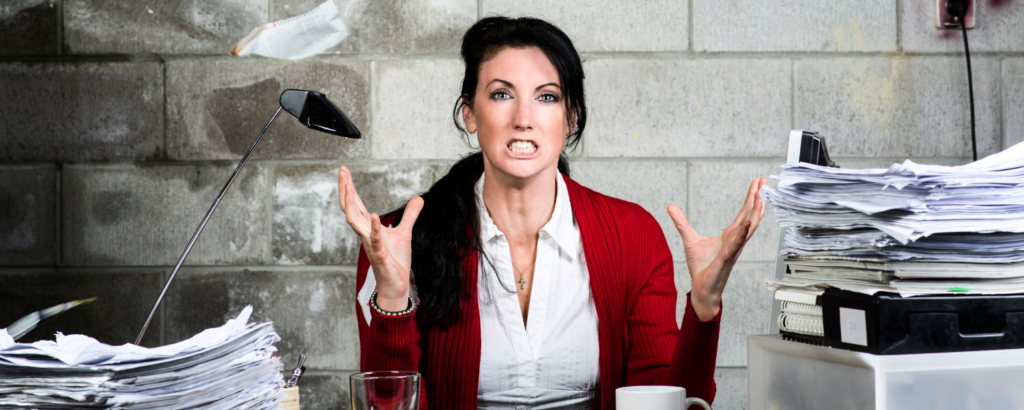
column 631, row 277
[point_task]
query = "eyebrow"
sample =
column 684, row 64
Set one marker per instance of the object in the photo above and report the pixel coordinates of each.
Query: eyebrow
column 510, row 85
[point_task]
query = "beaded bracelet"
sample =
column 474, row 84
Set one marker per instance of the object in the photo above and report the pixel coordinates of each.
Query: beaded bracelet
column 373, row 305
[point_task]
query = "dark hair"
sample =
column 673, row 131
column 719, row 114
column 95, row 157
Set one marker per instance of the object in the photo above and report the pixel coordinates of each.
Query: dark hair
column 446, row 230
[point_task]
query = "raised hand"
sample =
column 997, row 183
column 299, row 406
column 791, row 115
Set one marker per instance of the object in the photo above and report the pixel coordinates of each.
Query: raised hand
column 710, row 258
column 389, row 249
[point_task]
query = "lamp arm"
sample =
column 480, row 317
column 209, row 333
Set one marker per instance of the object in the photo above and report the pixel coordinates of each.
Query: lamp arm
column 203, row 225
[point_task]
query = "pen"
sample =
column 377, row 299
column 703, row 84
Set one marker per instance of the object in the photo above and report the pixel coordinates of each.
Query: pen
column 298, row 376
column 297, row 373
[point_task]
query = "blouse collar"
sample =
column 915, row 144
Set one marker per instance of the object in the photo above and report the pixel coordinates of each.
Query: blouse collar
column 561, row 227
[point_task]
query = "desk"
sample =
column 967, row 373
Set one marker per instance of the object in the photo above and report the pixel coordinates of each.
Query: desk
column 792, row 376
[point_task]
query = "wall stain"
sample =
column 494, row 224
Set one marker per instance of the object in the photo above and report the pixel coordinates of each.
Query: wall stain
column 394, row 29
column 25, row 32
column 388, row 16
column 839, row 32
column 857, row 36
column 239, row 112
column 108, row 207
column 234, row 114
column 15, row 210
column 212, row 292
column 872, row 92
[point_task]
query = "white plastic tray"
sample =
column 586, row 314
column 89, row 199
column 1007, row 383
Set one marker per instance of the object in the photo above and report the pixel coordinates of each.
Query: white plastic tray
column 790, row 375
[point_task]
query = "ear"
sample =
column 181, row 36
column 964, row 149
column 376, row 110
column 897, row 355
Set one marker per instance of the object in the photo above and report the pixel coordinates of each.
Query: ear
column 570, row 124
column 468, row 117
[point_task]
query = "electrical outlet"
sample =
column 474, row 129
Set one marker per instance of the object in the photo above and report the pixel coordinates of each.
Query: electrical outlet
column 944, row 20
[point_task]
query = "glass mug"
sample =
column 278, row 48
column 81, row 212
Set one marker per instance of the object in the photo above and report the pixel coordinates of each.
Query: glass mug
column 655, row 398
column 386, row 390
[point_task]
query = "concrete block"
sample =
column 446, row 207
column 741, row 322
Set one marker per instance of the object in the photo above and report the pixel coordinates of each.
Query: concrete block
column 144, row 215
column 28, row 228
column 745, row 306
column 717, row 192
column 418, row 26
column 653, row 185
column 900, row 106
column 165, row 27
column 682, row 277
column 124, row 298
column 803, row 25
column 217, row 107
column 313, row 310
column 29, row 27
column 309, row 227
column 732, row 388
column 1013, row 101
column 687, row 108
column 599, row 26
column 997, row 28
column 323, row 391
column 81, row 111
column 412, row 109
column 746, row 302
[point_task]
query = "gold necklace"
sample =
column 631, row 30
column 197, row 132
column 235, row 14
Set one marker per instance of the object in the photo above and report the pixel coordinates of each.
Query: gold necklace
column 521, row 281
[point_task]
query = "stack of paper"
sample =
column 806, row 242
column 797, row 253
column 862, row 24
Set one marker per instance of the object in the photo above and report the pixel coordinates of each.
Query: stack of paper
column 228, row 367
column 912, row 228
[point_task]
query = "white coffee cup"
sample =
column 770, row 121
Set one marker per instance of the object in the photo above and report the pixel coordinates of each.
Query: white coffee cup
column 655, row 398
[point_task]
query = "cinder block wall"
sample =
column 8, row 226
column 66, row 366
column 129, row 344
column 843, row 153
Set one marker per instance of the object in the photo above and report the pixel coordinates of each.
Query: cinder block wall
column 120, row 120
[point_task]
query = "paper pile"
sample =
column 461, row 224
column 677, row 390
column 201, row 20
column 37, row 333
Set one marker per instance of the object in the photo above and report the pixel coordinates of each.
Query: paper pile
column 912, row 228
column 228, row 367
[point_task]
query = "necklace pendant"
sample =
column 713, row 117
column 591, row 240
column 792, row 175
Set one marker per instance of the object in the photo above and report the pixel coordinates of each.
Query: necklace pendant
column 522, row 283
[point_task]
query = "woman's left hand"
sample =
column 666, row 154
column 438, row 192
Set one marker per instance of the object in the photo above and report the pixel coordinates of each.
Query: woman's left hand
column 710, row 258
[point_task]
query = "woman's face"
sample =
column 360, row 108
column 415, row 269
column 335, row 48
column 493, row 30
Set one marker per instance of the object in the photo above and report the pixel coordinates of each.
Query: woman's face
column 518, row 113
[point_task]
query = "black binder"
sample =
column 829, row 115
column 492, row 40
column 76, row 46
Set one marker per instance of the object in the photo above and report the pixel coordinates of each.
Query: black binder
column 922, row 324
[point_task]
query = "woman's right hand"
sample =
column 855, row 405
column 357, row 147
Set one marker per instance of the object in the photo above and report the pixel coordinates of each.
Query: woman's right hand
column 389, row 249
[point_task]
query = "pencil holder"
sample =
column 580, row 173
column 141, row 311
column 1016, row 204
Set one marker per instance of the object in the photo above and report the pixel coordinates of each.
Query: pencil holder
column 290, row 399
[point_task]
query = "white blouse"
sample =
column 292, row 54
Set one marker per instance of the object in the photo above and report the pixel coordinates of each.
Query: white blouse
column 552, row 361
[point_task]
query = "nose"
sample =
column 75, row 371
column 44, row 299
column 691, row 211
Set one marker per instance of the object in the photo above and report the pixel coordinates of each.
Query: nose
column 522, row 120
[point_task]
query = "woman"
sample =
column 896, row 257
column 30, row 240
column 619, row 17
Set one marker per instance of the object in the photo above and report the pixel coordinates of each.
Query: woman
column 533, row 290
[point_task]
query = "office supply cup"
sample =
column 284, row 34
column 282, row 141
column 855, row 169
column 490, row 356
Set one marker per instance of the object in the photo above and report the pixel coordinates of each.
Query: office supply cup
column 386, row 390
column 655, row 398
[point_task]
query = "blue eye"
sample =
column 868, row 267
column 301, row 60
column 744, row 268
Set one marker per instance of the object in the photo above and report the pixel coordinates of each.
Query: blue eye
column 549, row 97
column 500, row 95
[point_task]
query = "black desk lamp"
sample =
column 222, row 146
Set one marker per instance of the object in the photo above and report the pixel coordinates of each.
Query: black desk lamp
column 313, row 110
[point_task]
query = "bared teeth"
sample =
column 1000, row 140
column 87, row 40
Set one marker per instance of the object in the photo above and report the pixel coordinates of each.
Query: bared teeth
column 522, row 147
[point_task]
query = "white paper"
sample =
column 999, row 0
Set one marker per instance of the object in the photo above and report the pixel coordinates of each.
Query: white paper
column 298, row 37
column 228, row 367
column 5, row 339
column 81, row 349
column 912, row 228
column 853, row 328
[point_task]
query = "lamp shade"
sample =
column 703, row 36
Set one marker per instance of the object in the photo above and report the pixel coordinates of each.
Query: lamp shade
column 316, row 112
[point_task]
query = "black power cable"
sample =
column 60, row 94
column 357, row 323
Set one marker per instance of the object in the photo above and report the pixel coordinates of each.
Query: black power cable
column 958, row 9
column 970, row 88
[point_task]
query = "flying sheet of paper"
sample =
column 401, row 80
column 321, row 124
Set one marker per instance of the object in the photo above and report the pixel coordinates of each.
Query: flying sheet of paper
column 298, row 37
